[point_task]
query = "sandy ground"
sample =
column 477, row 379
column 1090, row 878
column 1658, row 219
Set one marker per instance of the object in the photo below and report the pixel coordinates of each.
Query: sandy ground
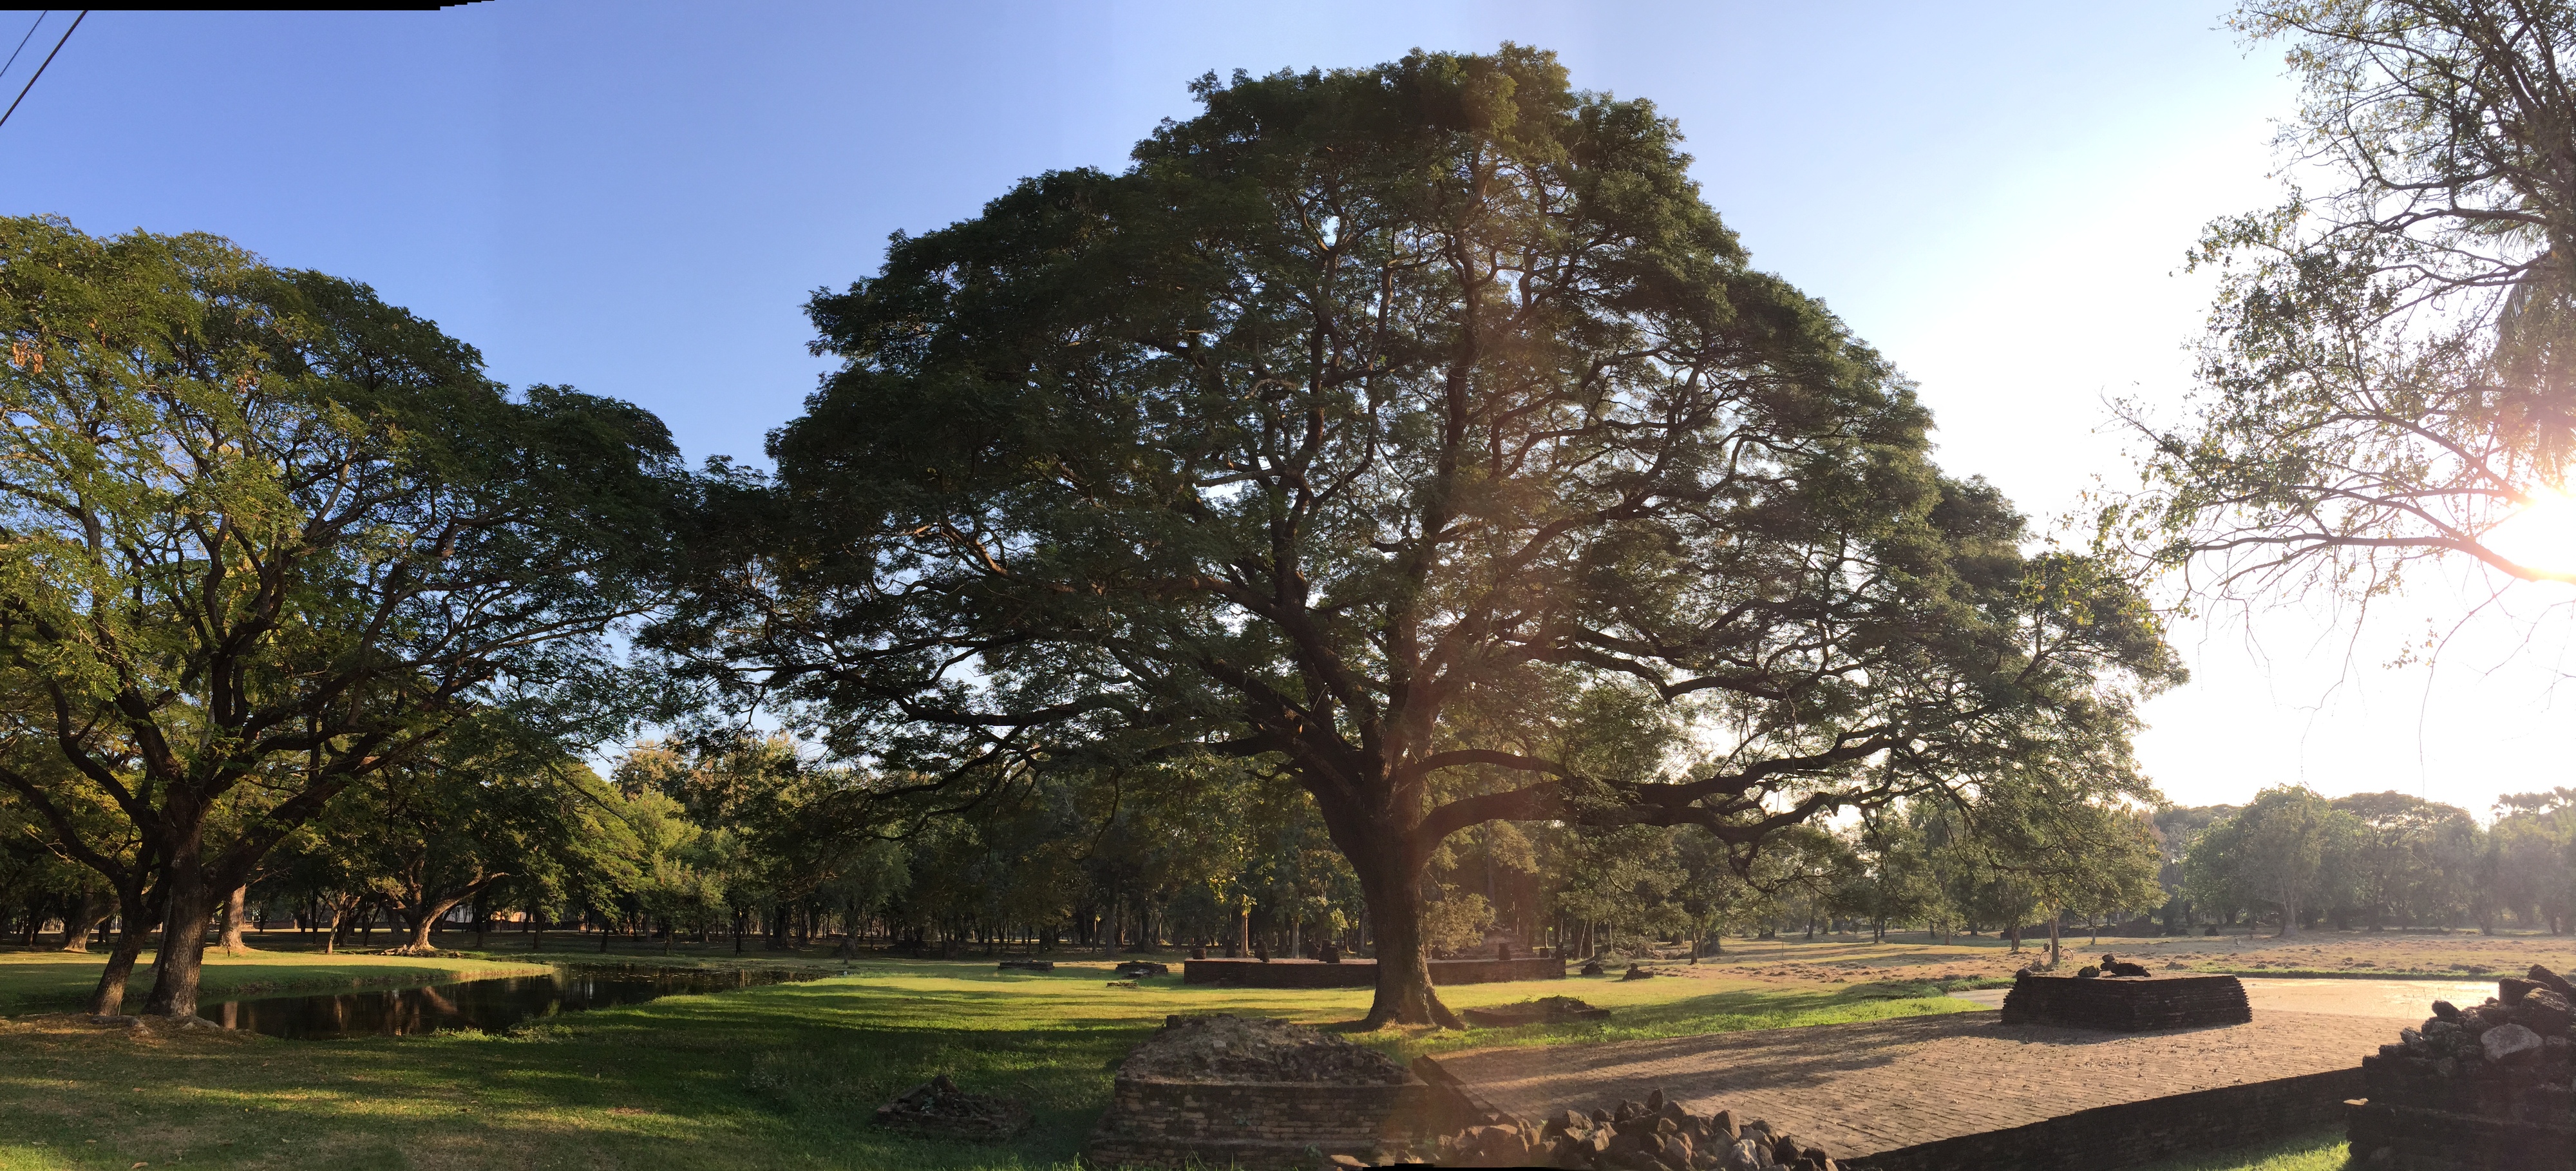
column 2398, row 1000
column 1863, row 1088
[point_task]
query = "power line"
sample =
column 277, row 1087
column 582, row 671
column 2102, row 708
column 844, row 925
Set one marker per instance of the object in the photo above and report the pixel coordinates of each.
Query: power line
column 40, row 69
column 22, row 41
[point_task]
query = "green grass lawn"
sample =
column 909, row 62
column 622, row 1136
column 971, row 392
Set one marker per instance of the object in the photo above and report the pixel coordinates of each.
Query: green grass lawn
column 783, row 1076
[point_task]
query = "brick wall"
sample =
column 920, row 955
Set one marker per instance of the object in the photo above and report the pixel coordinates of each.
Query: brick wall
column 2136, row 1133
column 2436, row 1140
column 2475, row 1116
column 2126, row 1004
column 1254, row 1125
column 1362, row 973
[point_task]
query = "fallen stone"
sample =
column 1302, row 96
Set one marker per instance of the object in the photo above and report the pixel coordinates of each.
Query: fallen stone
column 2508, row 1044
column 2544, row 1011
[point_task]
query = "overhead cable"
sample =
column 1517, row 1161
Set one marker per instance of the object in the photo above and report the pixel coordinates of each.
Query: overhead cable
column 22, row 41
column 40, row 69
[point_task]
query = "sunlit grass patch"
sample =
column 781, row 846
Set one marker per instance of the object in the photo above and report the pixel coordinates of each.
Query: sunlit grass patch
column 39, row 981
column 2322, row 1151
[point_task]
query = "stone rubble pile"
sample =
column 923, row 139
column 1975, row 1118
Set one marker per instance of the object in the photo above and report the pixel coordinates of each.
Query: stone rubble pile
column 2497, row 1075
column 1222, row 1047
column 1654, row 1135
column 938, row 1109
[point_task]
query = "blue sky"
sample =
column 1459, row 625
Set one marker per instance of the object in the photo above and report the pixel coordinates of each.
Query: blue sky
column 637, row 198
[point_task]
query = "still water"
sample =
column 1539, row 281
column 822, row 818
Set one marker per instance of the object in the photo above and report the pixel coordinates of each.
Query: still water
column 489, row 1005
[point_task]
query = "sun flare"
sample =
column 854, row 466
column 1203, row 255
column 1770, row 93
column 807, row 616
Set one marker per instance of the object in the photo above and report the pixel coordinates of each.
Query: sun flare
column 2542, row 536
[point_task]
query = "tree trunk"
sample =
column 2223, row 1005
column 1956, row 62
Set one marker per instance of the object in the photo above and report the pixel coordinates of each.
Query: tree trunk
column 235, row 906
column 434, row 910
column 2289, row 913
column 108, row 998
column 419, row 943
column 184, row 912
column 2052, row 937
column 1392, row 890
column 83, row 917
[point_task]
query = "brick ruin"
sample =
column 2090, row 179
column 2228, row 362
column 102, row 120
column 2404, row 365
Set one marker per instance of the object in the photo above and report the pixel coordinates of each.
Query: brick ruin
column 2127, row 1004
column 1258, row 1094
column 1361, row 973
column 2487, row 1088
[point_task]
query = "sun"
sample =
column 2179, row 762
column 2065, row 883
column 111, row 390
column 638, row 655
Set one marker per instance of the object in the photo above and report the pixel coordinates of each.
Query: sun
column 2542, row 536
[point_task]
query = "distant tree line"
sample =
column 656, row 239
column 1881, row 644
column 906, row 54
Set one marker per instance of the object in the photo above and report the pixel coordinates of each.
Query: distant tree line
column 2373, row 861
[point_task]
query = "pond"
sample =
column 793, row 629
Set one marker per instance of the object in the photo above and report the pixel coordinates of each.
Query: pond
column 489, row 1005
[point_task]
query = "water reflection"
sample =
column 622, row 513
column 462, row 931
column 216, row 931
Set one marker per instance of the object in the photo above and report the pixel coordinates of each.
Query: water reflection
column 490, row 1005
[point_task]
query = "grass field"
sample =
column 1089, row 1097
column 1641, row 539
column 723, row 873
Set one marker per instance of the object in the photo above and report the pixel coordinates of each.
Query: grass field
column 783, row 1076
column 786, row 1076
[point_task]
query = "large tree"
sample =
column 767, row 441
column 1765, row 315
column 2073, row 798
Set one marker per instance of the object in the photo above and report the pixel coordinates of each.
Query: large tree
column 262, row 536
column 1399, row 428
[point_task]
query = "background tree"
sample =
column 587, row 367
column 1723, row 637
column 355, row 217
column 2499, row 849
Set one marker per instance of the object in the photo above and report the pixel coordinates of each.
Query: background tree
column 2531, row 848
column 266, row 535
column 2177, row 827
column 1893, row 881
column 436, row 831
column 1366, row 425
column 2396, row 859
column 2288, row 849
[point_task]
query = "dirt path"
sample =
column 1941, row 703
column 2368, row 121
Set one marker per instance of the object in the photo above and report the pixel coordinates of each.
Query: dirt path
column 1881, row 1085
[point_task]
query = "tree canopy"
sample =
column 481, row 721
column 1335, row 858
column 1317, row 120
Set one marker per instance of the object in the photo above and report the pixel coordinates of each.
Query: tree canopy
column 1420, row 433
column 2386, row 376
column 262, row 536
